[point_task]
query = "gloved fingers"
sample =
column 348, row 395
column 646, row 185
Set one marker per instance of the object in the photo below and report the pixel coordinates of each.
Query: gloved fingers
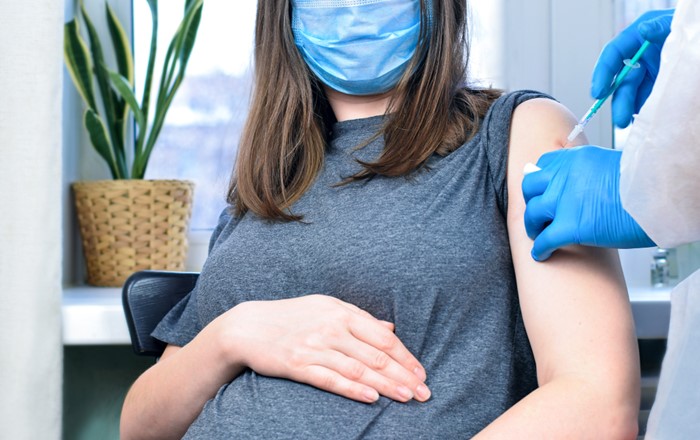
column 625, row 98
column 657, row 29
column 552, row 238
column 547, row 158
column 611, row 60
column 535, row 184
column 539, row 212
column 651, row 60
column 644, row 91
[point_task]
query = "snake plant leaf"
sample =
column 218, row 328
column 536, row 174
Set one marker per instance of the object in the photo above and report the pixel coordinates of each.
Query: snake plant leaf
column 125, row 63
column 98, row 64
column 122, row 49
column 179, row 48
column 169, row 65
column 78, row 62
column 153, row 4
column 100, row 140
column 124, row 88
column 110, row 100
column 146, row 100
column 176, row 58
column 190, row 33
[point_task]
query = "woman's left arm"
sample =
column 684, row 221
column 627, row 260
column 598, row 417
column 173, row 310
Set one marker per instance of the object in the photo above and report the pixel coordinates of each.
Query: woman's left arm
column 576, row 313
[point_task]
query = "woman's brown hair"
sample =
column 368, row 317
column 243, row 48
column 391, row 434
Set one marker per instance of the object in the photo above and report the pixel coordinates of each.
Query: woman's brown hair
column 284, row 140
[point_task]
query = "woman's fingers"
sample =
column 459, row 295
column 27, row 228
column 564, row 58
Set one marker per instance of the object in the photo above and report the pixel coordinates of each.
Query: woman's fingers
column 389, row 376
column 387, row 342
column 416, row 368
column 332, row 381
column 357, row 371
column 382, row 372
column 387, row 324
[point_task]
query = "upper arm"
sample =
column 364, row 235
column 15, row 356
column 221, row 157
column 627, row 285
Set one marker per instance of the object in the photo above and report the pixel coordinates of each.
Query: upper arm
column 575, row 306
column 169, row 351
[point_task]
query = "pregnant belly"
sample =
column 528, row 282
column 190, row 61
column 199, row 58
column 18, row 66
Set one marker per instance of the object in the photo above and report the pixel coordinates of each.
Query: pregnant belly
column 260, row 407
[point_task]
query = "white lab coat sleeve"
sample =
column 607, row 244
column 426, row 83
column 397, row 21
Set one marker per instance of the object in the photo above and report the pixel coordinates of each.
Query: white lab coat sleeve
column 675, row 414
column 660, row 168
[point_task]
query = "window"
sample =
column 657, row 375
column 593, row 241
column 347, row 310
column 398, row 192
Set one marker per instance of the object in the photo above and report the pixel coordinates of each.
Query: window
column 200, row 136
column 486, row 60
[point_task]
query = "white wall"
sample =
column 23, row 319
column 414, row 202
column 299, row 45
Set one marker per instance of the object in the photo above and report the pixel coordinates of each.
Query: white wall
column 31, row 50
column 552, row 46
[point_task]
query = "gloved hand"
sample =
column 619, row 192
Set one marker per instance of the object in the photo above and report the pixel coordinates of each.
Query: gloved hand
column 575, row 199
column 653, row 26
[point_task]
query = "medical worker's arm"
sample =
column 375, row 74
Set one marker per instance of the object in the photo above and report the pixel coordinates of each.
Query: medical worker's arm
column 659, row 184
column 576, row 313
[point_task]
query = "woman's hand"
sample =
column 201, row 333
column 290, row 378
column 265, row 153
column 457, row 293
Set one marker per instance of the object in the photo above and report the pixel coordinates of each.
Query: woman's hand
column 324, row 342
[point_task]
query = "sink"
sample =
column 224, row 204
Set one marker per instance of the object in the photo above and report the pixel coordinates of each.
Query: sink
column 651, row 308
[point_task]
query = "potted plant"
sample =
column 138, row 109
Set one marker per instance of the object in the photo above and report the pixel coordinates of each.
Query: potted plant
column 128, row 223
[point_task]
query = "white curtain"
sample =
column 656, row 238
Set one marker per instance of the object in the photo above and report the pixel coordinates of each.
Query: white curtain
column 31, row 34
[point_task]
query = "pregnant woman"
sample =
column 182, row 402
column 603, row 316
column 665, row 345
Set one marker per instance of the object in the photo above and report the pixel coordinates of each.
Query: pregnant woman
column 371, row 277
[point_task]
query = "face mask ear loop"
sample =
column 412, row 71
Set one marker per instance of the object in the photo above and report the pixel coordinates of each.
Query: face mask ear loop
column 426, row 31
column 429, row 13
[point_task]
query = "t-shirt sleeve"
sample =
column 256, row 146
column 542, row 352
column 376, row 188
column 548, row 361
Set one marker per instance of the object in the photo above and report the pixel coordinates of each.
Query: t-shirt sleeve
column 182, row 323
column 497, row 131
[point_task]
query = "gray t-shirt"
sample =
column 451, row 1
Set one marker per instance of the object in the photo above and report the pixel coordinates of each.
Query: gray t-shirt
column 429, row 253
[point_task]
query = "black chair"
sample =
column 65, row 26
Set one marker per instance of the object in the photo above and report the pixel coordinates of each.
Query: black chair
column 147, row 297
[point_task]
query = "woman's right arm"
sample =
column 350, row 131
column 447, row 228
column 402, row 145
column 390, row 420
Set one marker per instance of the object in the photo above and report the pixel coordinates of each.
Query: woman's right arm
column 166, row 399
column 316, row 339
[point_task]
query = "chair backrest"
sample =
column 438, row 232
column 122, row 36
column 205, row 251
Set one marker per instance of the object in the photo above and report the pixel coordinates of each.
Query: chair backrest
column 147, row 297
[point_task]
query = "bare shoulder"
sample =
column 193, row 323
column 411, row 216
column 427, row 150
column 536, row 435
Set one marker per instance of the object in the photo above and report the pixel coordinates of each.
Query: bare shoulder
column 543, row 120
column 543, row 111
column 542, row 107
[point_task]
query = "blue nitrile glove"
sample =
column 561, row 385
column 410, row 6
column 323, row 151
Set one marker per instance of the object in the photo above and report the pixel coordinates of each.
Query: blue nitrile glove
column 575, row 199
column 653, row 26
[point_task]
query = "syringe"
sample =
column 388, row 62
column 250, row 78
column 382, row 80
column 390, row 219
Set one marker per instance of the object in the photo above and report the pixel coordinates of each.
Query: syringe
column 629, row 65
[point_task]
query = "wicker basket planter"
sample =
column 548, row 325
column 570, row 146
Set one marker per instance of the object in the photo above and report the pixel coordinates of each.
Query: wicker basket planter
column 132, row 225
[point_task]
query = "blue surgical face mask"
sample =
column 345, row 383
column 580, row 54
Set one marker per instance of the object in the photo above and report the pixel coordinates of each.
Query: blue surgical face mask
column 357, row 47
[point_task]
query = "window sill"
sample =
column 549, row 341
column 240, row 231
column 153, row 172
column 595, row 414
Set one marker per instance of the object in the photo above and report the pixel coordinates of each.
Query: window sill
column 95, row 316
